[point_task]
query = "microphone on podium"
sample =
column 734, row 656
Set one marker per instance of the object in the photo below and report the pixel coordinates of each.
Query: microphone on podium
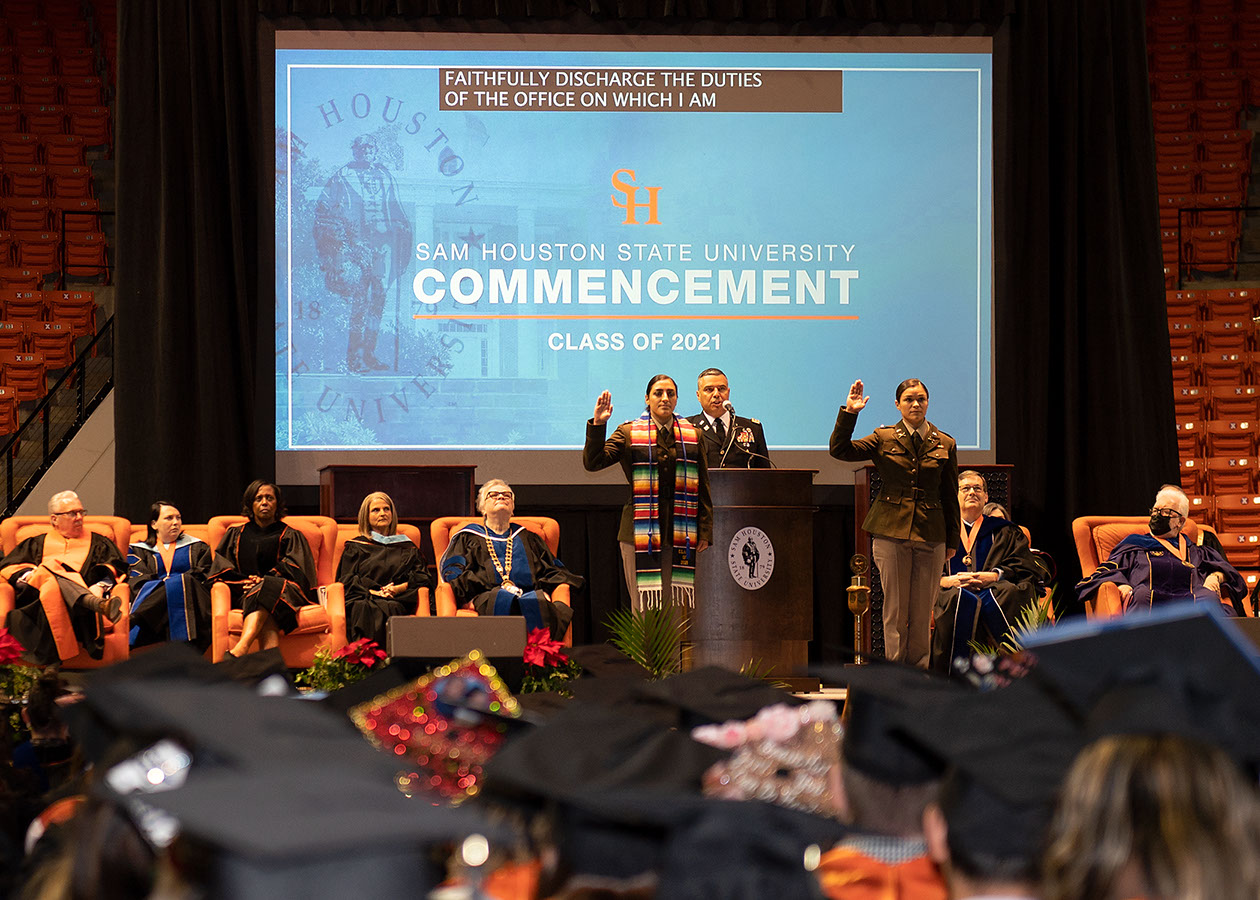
column 730, row 432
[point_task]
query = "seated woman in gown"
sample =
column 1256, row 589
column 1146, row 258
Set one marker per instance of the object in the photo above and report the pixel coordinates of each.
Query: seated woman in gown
column 62, row 584
column 381, row 569
column 1163, row 566
column 501, row 569
column 273, row 571
column 170, row 574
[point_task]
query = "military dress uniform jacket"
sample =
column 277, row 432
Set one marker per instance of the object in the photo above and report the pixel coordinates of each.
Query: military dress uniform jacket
column 918, row 496
column 748, row 443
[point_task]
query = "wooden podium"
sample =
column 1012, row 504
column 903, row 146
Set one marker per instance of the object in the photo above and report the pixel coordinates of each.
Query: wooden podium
column 755, row 585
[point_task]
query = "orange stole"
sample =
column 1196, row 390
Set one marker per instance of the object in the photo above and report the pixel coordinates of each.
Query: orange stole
column 64, row 557
column 846, row 874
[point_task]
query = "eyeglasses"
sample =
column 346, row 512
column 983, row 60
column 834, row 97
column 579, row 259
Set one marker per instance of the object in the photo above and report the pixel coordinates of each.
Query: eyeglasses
column 1170, row 513
column 499, row 495
column 77, row 513
column 971, row 489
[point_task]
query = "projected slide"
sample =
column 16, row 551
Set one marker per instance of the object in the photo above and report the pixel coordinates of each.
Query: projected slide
column 472, row 244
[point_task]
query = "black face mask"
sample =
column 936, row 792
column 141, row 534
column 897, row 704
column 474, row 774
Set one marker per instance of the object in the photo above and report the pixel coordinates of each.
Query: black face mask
column 1160, row 524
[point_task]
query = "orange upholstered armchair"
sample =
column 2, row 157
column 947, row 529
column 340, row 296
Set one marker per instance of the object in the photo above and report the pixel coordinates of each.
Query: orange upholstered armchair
column 318, row 625
column 442, row 529
column 1096, row 537
column 16, row 529
column 346, row 532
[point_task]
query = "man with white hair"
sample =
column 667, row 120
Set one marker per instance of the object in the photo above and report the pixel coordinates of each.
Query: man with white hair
column 1163, row 566
column 62, row 582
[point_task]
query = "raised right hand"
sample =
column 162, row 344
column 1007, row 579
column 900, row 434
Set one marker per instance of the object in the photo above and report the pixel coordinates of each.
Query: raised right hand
column 855, row 402
column 603, row 408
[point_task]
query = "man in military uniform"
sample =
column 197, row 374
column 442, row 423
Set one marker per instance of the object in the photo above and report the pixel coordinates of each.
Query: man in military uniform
column 730, row 441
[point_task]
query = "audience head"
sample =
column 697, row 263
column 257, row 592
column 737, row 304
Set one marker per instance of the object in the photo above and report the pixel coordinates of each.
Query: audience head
column 912, row 401
column 65, row 512
column 41, row 712
column 661, row 397
column 712, row 390
column 165, row 524
column 377, row 513
column 1154, row 816
column 263, row 502
column 1169, row 514
column 887, row 777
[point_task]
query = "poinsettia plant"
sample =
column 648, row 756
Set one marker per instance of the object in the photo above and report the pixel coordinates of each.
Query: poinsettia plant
column 547, row 666
column 15, row 677
column 335, row 669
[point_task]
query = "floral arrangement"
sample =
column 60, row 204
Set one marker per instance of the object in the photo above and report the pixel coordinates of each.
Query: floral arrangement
column 15, row 677
column 335, row 669
column 547, row 666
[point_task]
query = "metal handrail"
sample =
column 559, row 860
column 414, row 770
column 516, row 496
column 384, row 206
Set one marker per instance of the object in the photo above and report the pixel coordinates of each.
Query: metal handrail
column 39, row 419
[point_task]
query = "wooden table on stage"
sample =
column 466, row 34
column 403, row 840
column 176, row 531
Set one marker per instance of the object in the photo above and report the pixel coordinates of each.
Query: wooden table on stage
column 772, row 623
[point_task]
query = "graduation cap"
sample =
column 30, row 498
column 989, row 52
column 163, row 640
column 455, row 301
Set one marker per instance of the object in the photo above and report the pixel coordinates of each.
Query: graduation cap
column 712, row 695
column 1183, row 669
column 1008, row 751
column 882, row 698
column 587, row 751
column 291, row 799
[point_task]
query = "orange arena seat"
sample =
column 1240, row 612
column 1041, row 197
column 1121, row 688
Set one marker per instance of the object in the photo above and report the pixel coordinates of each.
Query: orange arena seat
column 26, row 213
column 1230, row 474
column 24, row 374
column 26, row 181
column 19, row 149
column 77, row 308
column 55, row 340
column 21, row 279
column 1230, row 437
column 1238, row 512
column 78, row 214
column 63, row 149
column 86, row 255
column 24, row 306
column 70, row 182
column 37, row 249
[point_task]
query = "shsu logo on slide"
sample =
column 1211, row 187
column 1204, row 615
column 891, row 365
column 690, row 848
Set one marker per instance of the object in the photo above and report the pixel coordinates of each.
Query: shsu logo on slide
column 629, row 190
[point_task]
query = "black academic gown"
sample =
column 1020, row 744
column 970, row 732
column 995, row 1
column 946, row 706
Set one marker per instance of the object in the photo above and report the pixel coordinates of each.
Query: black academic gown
column 282, row 557
column 366, row 565
column 999, row 545
column 1158, row 576
column 29, row 623
column 467, row 567
column 172, row 605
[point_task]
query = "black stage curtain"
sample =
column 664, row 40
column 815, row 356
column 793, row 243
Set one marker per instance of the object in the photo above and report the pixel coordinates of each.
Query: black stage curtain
column 1083, row 378
column 188, row 427
column 1082, row 373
